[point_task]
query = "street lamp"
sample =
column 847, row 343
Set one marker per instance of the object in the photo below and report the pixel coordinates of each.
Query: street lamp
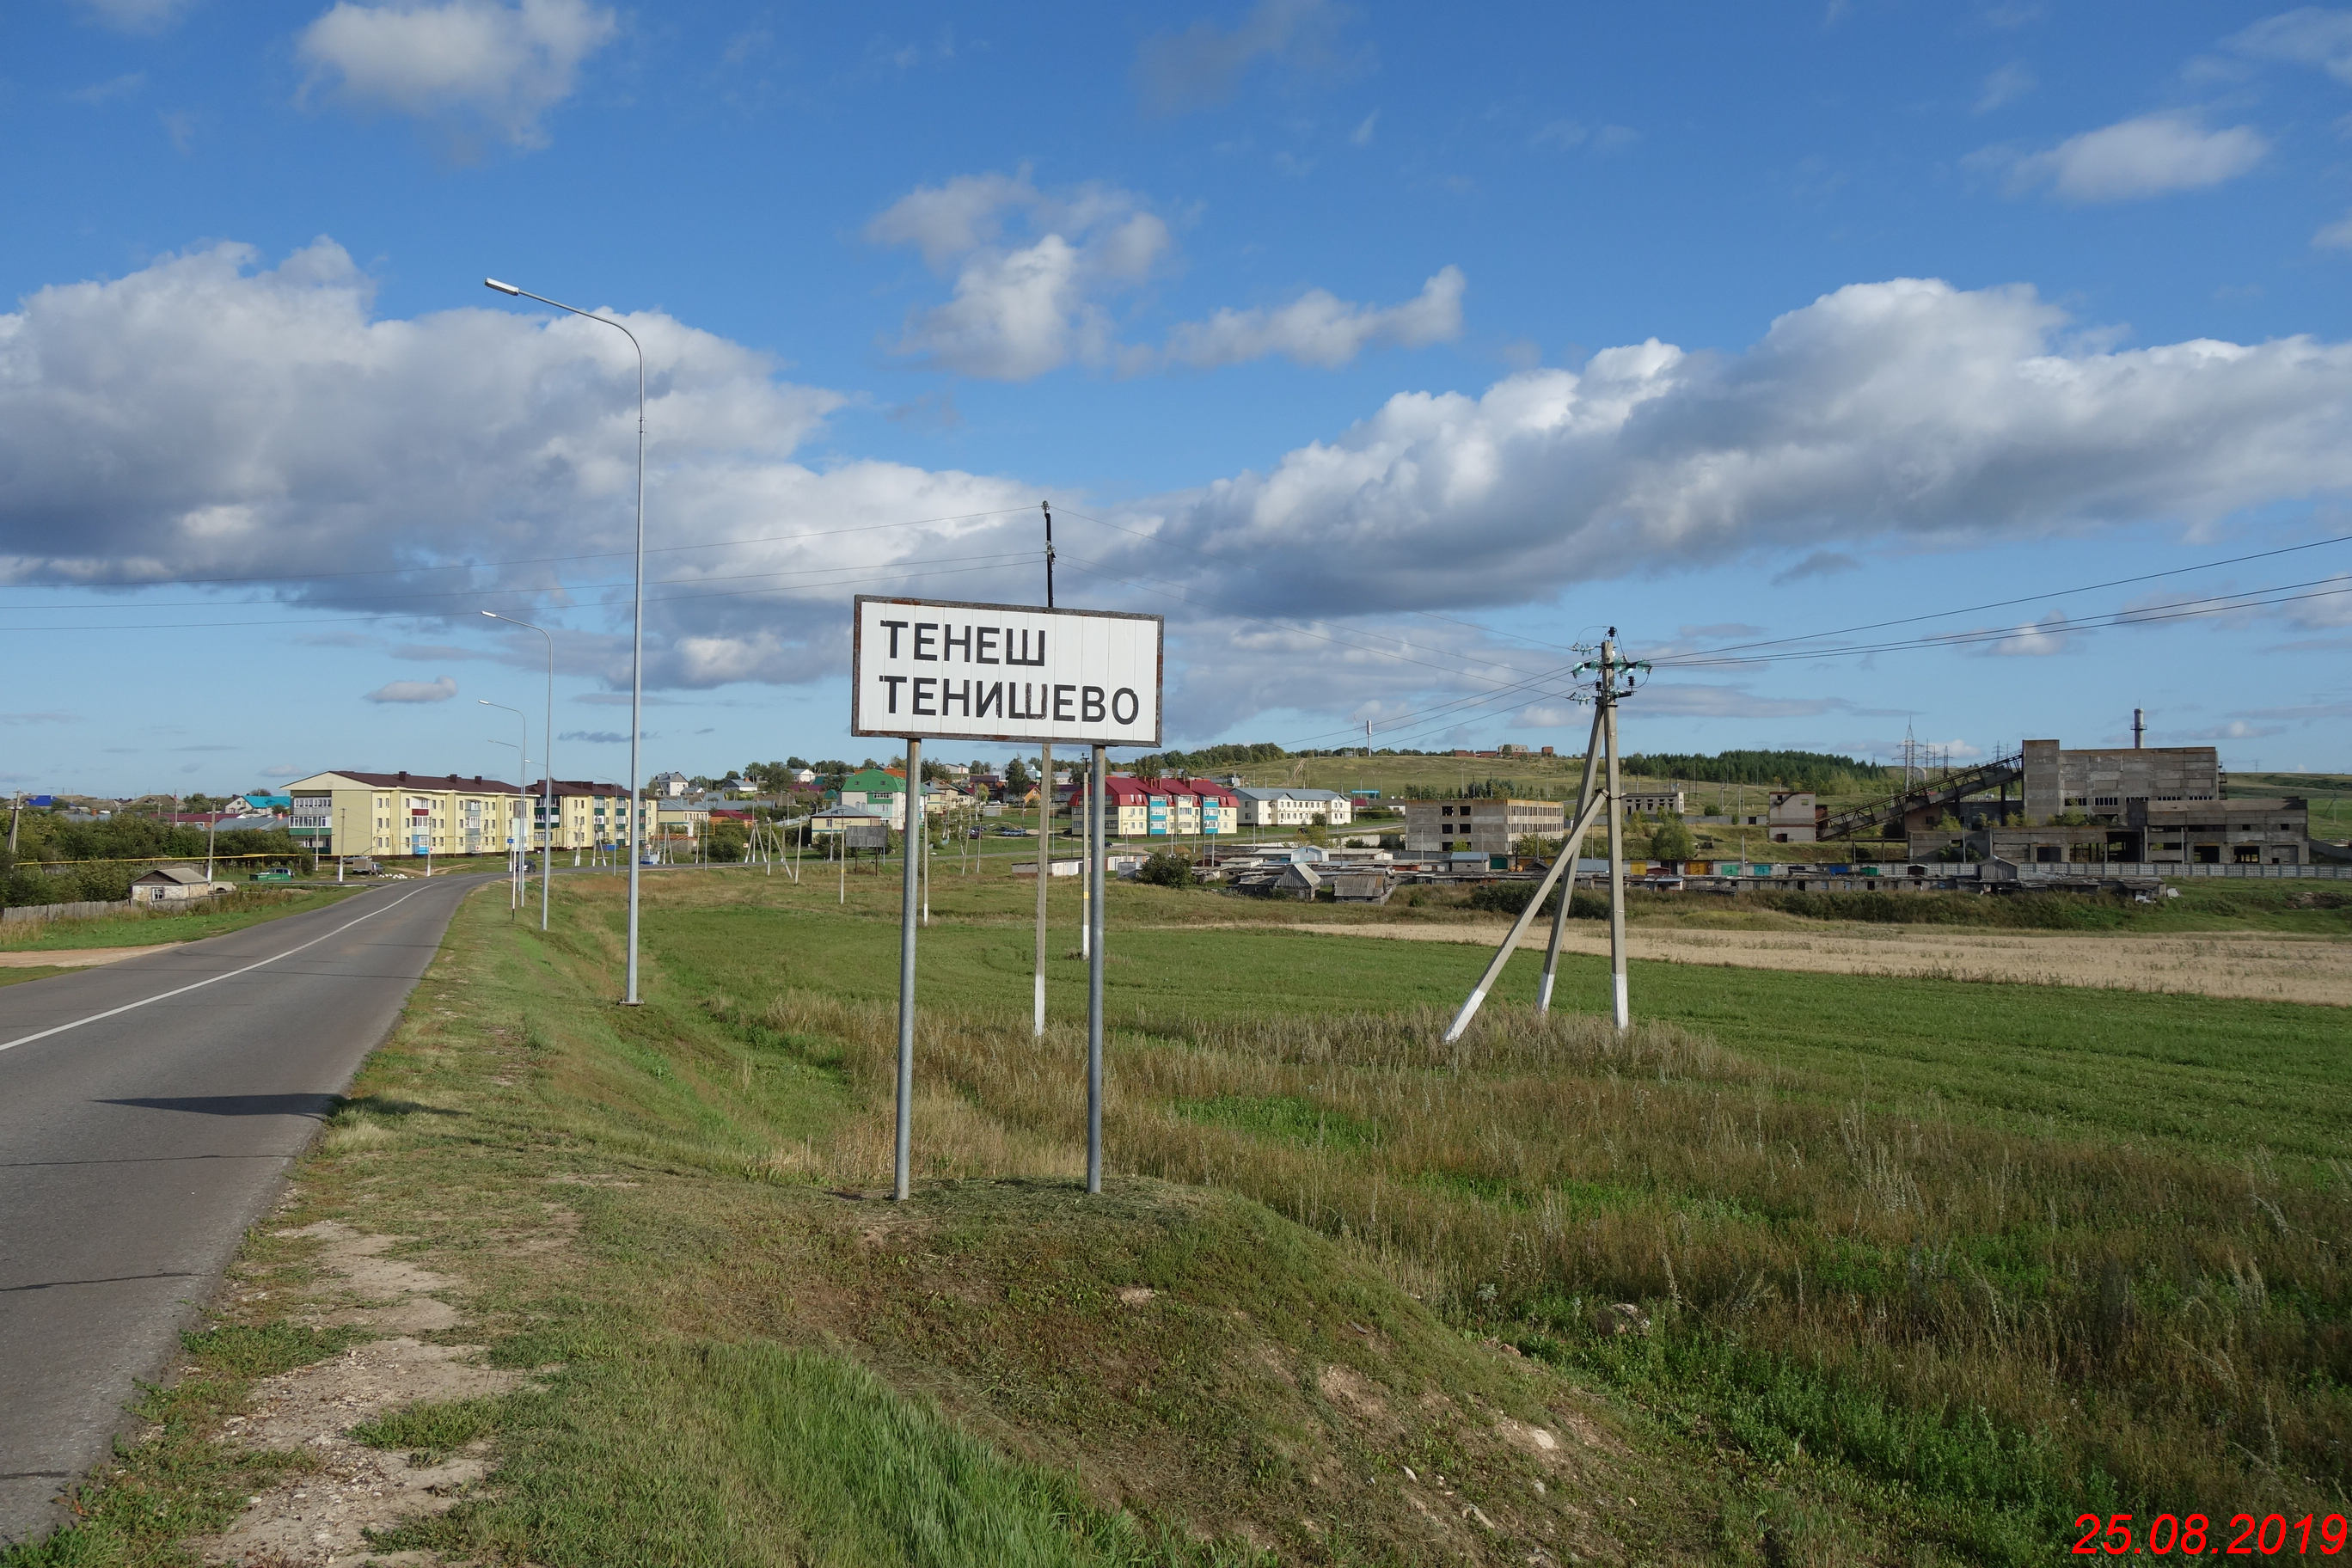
column 547, row 760
column 522, row 765
column 636, row 617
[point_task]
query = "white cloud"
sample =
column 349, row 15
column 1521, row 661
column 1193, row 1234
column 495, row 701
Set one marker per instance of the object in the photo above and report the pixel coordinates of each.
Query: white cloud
column 2309, row 36
column 49, row 716
column 2036, row 639
column 205, row 417
column 438, row 690
column 1319, row 329
column 504, row 65
column 135, row 16
column 1203, row 65
column 2336, row 236
column 2148, row 156
column 1907, row 409
column 2005, row 86
column 1019, row 311
column 110, row 90
column 1361, row 136
column 208, row 418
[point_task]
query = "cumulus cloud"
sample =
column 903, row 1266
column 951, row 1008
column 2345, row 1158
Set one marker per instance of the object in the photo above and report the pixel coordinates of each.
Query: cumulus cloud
column 2149, row 156
column 1203, row 65
column 438, row 690
column 1020, row 310
column 1321, row 329
column 500, row 65
column 1907, row 409
column 208, row 418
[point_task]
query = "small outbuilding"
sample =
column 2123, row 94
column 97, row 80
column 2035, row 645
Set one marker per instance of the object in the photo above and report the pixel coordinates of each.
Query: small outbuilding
column 1302, row 882
column 172, row 885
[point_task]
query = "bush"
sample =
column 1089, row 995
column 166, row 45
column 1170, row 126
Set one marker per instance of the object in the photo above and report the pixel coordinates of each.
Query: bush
column 1671, row 841
column 1167, row 868
column 1511, row 898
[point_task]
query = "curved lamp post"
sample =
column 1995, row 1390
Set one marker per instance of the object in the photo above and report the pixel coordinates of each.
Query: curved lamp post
column 636, row 619
column 547, row 760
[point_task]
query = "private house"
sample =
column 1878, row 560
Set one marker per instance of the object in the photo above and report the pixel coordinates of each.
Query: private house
column 173, row 885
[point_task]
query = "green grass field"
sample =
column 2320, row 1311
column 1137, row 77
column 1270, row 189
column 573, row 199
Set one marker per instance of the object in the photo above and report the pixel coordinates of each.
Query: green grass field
column 1827, row 1269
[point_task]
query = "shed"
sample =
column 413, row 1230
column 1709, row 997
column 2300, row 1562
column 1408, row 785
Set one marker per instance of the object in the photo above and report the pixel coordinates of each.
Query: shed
column 1360, row 887
column 1302, row 882
column 173, row 884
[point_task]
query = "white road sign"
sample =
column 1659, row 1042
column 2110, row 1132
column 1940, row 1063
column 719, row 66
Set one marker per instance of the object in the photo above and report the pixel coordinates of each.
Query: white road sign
column 935, row 669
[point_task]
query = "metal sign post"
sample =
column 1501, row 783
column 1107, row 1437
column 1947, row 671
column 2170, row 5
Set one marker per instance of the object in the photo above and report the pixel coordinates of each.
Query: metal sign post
column 928, row 669
column 1095, row 861
column 913, row 844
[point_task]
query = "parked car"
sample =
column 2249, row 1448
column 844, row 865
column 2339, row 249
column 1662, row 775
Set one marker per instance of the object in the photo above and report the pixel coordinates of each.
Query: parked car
column 273, row 874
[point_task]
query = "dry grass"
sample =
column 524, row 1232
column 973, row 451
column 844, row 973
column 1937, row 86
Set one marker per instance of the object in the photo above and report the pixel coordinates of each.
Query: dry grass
column 2253, row 967
column 2012, row 1324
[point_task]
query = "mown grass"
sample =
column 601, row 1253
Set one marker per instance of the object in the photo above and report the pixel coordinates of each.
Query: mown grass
column 136, row 928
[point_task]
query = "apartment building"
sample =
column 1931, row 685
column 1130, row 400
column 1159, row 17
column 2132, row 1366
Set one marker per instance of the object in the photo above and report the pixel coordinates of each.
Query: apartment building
column 405, row 814
column 1293, row 807
column 1167, row 807
column 1485, row 827
column 588, row 814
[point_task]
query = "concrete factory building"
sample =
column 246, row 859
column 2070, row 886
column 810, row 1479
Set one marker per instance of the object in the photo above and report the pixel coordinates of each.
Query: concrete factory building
column 2148, row 804
column 1487, row 827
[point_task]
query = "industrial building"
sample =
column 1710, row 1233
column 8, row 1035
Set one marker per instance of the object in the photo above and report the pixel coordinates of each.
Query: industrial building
column 1487, row 826
column 2153, row 806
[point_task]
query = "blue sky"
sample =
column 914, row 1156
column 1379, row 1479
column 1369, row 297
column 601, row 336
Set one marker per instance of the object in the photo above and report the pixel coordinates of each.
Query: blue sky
column 1383, row 350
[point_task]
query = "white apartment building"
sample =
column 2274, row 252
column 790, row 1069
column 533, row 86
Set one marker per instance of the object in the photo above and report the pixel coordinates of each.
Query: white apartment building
column 1293, row 807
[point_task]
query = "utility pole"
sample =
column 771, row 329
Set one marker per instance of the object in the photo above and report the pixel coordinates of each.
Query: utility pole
column 1608, row 701
column 1045, row 806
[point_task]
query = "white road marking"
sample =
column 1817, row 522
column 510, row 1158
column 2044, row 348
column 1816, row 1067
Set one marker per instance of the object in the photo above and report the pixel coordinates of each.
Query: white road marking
column 183, row 991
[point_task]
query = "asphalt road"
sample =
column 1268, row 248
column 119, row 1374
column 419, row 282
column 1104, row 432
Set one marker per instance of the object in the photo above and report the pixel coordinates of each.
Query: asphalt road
column 140, row 1138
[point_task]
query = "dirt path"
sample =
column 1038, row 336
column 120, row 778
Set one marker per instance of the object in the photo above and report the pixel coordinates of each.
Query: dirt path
column 74, row 957
column 2257, row 966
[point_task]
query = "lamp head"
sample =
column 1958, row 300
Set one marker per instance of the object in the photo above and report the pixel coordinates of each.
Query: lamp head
column 501, row 288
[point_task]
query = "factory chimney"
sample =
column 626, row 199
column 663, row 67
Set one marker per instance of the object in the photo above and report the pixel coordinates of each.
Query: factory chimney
column 2139, row 728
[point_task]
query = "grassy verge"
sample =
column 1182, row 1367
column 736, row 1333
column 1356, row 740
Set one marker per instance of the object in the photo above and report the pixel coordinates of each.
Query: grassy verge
column 180, row 1480
column 136, row 928
column 739, row 1356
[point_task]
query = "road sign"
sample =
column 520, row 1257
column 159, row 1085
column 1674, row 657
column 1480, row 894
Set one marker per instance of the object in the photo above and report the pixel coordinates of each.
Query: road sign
column 944, row 670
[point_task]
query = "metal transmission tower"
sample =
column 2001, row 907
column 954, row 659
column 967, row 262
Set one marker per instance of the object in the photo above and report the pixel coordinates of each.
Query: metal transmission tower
column 1614, row 680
